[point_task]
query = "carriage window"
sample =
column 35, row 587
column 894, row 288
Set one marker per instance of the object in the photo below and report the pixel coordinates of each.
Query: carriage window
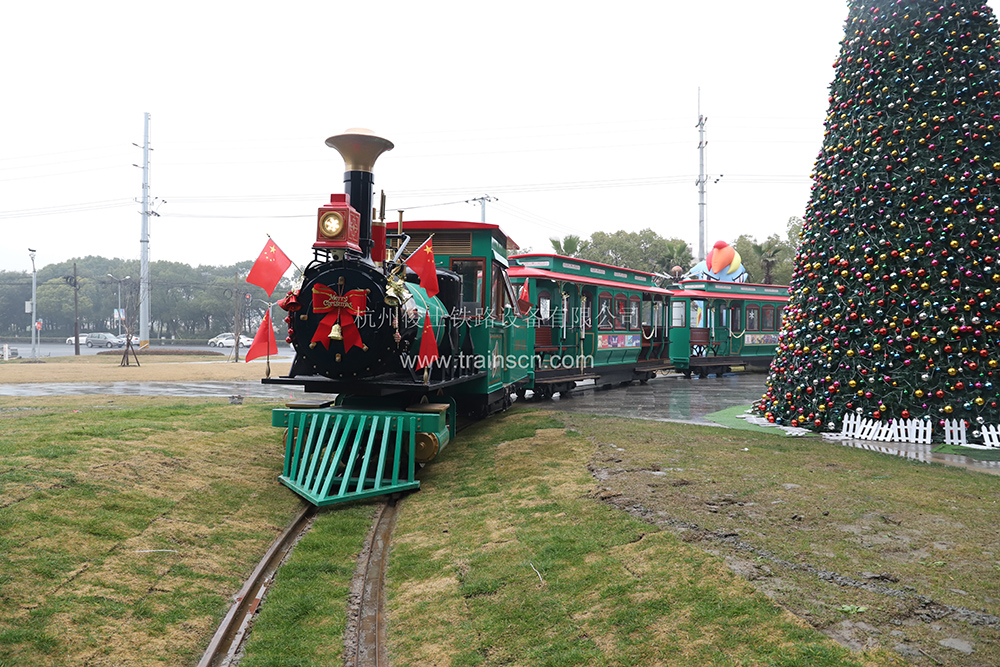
column 605, row 318
column 471, row 271
column 544, row 309
column 735, row 320
column 621, row 312
column 753, row 323
column 767, row 319
column 678, row 310
column 699, row 314
column 633, row 313
column 778, row 315
column 647, row 313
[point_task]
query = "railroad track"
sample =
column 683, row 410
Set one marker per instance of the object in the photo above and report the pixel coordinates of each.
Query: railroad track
column 224, row 648
column 365, row 639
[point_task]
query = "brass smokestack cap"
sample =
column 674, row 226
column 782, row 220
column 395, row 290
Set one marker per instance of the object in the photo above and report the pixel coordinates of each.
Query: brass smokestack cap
column 359, row 148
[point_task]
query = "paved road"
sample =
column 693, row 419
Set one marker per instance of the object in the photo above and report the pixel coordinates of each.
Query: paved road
column 665, row 398
column 45, row 350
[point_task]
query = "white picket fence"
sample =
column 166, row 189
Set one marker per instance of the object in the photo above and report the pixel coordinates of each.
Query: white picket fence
column 916, row 431
column 894, row 430
column 913, row 430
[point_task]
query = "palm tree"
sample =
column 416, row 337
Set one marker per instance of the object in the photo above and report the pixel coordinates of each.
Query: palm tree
column 568, row 247
column 770, row 252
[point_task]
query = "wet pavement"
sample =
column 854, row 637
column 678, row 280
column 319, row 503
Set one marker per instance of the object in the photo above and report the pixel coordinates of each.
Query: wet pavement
column 674, row 398
column 666, row 398
column 188, row 389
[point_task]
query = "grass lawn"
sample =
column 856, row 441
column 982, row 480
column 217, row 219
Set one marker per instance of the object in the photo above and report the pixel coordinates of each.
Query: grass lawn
column 538, row 538
column 126, row 524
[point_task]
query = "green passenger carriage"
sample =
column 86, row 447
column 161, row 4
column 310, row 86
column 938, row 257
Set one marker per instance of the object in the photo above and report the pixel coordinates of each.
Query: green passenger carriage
column 611, row 324
column 591, row 321
column 717, row 325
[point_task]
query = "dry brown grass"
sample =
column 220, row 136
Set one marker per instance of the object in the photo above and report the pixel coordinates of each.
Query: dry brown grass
column 152, row 368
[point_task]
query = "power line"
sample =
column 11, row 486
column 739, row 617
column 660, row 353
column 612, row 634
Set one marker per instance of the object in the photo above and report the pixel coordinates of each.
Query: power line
column 66, row 208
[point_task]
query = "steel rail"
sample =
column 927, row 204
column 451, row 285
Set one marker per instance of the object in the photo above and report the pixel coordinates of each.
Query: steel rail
column 369, row 647
column 235, row 626
column 370, row 643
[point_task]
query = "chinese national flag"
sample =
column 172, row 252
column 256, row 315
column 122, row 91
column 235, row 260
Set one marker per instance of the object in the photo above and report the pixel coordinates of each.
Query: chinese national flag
column 269, row 267
column 422, row 263
column 428, row 353
column 264, row 342
column 524, row 297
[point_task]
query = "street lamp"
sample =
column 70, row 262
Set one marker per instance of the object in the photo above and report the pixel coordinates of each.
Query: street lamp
column 34, row 353
column 119, row 281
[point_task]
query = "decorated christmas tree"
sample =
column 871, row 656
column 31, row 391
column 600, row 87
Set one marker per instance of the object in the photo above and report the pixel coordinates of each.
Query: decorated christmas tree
column 895, row 297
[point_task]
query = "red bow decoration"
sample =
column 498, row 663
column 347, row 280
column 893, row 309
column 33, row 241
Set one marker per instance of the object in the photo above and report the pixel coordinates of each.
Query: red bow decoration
column 340, row 309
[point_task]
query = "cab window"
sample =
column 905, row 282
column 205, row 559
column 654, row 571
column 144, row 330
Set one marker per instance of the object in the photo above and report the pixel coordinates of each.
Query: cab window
column 471, row 271
column 499, row 293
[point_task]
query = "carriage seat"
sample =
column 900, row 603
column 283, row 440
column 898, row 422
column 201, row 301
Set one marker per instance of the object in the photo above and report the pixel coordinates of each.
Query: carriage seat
column 702, row 343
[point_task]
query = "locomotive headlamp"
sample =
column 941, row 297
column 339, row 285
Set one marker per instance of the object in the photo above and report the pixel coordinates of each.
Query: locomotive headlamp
column 338, row 226
column 331, row 224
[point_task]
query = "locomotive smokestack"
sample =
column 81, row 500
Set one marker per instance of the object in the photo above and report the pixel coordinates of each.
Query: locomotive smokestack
column 360, row 148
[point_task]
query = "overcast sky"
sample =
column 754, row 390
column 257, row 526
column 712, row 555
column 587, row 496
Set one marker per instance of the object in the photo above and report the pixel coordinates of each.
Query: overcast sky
column 575, row 116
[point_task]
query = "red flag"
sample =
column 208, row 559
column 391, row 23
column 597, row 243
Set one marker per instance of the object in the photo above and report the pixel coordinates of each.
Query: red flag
column 264, row 342
column 428, row 353
column 269, row 267
column 422, row 263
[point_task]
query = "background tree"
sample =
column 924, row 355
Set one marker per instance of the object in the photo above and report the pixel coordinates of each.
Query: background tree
column 187, row 302
column 894, row 309
column 768, row 262
column 567, row 247
column 15, row 290
column 644, row 250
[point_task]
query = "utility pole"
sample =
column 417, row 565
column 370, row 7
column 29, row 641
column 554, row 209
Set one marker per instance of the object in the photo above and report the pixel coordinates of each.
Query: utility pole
column 237, row 319
column 34, row 279
column 76, row 312
column 701, row 180
column 144, row 244
column 482, row 203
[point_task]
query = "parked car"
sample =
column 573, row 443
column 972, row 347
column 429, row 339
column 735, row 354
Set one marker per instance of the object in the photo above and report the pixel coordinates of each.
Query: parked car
column 122, row 339
column 227, row 340
column 83, row 339
column 101, row 339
